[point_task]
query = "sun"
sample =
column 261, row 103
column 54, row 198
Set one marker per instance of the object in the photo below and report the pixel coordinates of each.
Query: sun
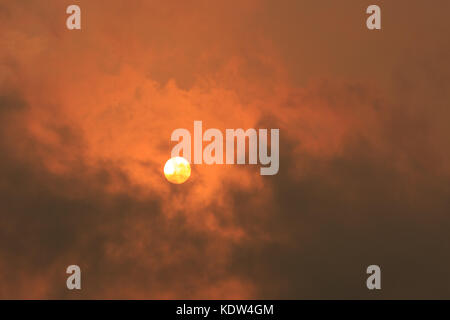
column 177, row 170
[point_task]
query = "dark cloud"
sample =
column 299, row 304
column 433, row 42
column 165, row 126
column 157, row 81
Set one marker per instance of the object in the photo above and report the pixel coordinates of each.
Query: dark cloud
column 328, row 227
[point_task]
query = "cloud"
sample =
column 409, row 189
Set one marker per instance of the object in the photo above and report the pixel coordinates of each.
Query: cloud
column 86, row 118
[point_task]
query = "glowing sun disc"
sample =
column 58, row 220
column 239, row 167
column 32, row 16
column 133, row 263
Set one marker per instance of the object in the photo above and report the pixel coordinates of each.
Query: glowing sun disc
column 177, row 170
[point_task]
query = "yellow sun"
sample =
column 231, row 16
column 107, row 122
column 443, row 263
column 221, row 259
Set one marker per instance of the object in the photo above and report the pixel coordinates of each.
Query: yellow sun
column 177, row 170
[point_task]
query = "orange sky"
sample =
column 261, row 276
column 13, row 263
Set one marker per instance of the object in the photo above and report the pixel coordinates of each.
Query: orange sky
column 85, row 124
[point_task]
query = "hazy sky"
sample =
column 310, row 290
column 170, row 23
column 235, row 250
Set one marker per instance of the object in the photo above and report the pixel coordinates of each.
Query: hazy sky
column 85, row 124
